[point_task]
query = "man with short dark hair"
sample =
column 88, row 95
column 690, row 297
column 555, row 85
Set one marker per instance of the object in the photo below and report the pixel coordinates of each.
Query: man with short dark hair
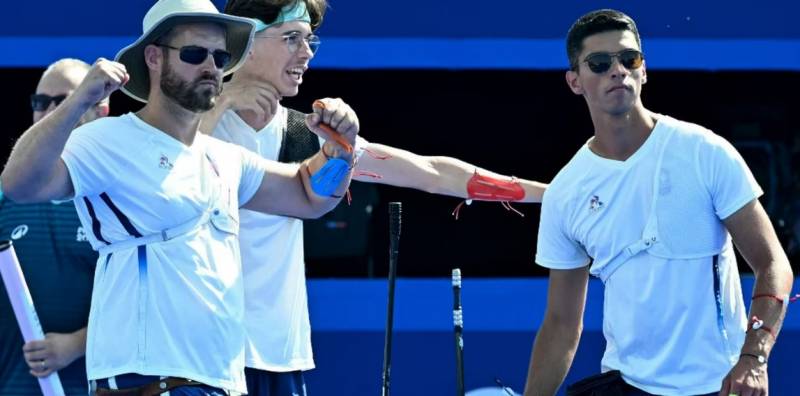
column 652, row 206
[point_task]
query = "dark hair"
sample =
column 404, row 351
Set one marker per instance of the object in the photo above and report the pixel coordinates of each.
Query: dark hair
column 268, row 10
column 595, row 22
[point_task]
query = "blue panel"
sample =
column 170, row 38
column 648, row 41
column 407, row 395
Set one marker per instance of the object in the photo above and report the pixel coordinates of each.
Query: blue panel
column 500, row 320
column 442, row 18
column 420, row 53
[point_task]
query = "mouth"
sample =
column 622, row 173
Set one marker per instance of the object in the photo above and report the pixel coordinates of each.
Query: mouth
column 296, row 73
column 618, row 88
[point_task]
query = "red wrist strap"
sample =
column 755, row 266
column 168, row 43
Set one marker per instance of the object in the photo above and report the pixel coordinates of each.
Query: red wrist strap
column 778, row 298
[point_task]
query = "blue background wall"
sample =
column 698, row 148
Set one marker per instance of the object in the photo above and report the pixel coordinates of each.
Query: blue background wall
column 500, row 320
column 518, row 34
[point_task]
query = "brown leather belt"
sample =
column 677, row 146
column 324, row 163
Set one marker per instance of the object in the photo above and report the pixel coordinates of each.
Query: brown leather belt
column 154, row 388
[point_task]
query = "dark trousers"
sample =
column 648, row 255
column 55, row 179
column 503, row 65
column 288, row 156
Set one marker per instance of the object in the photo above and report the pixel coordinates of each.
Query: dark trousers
column 128, row 381
column 269, row 383
column 608, row 384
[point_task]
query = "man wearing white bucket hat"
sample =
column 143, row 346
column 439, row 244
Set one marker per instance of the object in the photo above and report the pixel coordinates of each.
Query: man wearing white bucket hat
column 162, row 203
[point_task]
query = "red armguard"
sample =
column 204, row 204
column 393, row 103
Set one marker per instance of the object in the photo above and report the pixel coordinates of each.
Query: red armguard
column 487, row 188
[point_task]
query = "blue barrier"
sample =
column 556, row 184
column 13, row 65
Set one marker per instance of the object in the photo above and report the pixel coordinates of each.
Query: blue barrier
column 446, row 34
column 500, row 319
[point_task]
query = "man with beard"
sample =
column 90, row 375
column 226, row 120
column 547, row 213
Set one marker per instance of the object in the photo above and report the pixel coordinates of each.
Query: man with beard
column 249, row 114
column 162, row 202
column 58, row 264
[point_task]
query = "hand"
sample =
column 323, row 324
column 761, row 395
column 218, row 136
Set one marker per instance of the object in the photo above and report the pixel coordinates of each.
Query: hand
column 260, row 98
column 341, row 118
column 103, row 78
column 53, row 353
column 747, row 378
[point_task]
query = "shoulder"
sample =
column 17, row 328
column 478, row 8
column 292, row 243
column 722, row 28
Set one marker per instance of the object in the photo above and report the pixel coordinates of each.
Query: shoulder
column 691, row 133
column 569, row 176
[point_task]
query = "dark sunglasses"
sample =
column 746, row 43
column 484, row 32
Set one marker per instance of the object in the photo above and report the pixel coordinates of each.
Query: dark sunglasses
column 41, row 102
column 195, row 55
column 600, row 62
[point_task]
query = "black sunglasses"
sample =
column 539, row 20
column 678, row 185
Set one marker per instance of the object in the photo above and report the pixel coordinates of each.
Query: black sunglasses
column 600, row 62
column 195, row 55
column 41, row 102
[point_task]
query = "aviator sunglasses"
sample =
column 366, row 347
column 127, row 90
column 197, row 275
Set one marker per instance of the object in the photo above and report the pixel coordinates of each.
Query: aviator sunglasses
column 600, row 62
column 195, row 55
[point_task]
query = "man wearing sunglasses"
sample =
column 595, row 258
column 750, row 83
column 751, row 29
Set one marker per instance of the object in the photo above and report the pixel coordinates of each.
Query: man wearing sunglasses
column 651, row 205
column 162, row 203
column 250, row 114
column 58, row 263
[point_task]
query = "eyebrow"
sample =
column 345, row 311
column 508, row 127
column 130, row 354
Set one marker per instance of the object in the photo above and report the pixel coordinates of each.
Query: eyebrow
column 295, row 31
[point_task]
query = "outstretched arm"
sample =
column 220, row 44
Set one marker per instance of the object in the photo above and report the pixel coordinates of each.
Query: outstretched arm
column 433, row 174
column 34, row 171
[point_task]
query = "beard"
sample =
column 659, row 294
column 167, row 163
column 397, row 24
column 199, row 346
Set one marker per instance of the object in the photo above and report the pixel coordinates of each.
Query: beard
column 192, row 96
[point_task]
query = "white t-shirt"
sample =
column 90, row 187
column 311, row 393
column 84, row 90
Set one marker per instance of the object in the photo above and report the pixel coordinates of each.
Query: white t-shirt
column 176, row 310
column 663, row 327
column 273, row 265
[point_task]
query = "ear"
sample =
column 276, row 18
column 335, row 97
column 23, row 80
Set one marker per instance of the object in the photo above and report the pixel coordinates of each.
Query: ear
column 103, row 110
column 574, row 82
column 644, row 72
column 152, row 57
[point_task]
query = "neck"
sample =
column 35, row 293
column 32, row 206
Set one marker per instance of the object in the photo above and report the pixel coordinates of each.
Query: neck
column 618, row 136
column 169, row 117
column 251, row 118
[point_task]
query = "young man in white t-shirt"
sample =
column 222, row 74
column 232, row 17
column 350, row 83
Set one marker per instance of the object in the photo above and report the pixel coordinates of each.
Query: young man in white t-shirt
column 651, row 205
column 250, row 115
column 162, row 202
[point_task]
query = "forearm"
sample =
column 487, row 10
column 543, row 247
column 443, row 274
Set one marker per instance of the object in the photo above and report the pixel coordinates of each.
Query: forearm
column 318, row 204
column 772, row 280
column 432, row 174
column 79, row 343
column 551, row 358
column 37, row 153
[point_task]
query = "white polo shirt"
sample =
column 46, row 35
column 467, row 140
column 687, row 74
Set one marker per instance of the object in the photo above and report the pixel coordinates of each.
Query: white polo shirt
column 173, row 308
column 663, row 327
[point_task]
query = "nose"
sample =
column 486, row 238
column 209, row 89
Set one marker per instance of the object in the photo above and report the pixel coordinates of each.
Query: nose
column 304, row 51
column 617, row 70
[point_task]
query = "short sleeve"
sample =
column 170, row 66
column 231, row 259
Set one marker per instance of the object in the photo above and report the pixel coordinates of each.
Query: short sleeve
column 253, row 169
column 555, row 248
column 86, row 160
column 726, row 176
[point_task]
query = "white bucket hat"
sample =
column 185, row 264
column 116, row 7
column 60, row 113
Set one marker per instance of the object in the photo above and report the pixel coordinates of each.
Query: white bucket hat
column 165, row 15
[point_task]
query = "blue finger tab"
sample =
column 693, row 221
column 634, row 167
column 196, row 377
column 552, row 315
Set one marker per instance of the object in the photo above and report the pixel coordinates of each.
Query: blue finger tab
column 329, row 177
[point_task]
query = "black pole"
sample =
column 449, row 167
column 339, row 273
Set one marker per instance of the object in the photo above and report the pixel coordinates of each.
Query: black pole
column 395, row 210
column 458, row 329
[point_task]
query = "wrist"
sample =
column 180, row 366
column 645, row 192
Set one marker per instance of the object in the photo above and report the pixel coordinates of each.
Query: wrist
column 331, row 151
column 755, row 357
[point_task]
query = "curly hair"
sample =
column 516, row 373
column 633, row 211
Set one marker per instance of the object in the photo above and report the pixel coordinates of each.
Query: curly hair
column 268, row 10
